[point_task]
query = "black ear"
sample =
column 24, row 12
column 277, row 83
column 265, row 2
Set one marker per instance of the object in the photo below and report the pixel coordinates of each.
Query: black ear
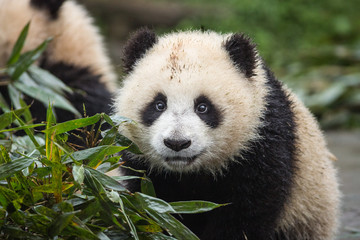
column 137, row 45
column 242, row 52
column 52, row 6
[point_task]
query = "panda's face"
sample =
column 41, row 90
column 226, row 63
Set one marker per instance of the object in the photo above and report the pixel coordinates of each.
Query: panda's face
column 194, row 110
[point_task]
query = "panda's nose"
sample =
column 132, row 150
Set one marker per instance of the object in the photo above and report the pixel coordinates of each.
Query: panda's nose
column 177, row 145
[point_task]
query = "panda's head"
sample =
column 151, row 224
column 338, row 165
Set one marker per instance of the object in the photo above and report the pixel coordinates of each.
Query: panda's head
column 197, row 98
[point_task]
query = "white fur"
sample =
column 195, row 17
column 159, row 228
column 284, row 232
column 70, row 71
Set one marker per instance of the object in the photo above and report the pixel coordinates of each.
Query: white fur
column 184, row 66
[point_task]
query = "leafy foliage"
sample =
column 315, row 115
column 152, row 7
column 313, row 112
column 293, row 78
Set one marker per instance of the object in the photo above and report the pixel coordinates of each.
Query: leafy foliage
column 51, row 190
column 48, row 190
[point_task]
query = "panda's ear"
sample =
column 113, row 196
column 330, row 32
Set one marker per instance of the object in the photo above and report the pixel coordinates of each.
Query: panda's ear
column 242, row 52
column 52, row 6
column 137, row 45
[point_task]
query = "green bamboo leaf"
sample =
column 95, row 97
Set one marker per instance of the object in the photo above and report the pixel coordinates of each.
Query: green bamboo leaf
column 15, row 96
column 63, row 207
column 125, row 178
column 95, row 154
column 124, row 141
column 59, row 223
column 25, row 60
column 106, row 180
column 5, row 157
column 6, row 143
column 108, row 119
column 15, row 54
column 174, row 226
column 37, row 223
column 41, row 172
column 153, row 204
column 73, row 124
column 30, row 134
column 46, row 95
column 79, row 230
column 89, row 210
column 46, row 188
column 109, row 137
column 3, row 104
column 7, row 196
column 147, row 187
column 44, row 78
column 30, row 126
column 7, row 118
column 78, row 173
column 27, row 114
column 9, row 169
column 190, row 207
column 18, row 233
column 128, row 220
column 45, row 211
column 109, row 150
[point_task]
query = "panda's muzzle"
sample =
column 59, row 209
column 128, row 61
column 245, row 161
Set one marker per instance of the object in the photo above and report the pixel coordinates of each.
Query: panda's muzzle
column 177, row 145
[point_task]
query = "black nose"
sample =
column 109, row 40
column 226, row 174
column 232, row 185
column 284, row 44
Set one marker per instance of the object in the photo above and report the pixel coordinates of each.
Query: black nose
column 177, row 145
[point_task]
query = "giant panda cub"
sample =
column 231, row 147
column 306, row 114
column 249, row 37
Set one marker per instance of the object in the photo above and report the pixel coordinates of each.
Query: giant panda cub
column 76, row 55
column 214, row 124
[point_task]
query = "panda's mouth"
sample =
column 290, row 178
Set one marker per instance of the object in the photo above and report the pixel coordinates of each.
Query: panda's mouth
column 178, row 160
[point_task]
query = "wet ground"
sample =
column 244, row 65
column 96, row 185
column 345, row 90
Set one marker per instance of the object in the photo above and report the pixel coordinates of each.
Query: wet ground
column 346, row 147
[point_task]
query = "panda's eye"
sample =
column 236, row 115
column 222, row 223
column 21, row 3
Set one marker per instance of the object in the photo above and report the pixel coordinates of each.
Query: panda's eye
column 202, row 108
column 160, row 106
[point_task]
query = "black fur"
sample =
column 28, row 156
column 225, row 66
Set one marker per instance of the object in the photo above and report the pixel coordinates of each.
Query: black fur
column 257, row 185
column 150, row 113
column 212, row 117
column 88, row 90
column 242, row 52
column 137, row 45
column 52, row 6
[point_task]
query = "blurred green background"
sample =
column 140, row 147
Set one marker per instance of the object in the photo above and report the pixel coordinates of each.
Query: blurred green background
column 314, row 46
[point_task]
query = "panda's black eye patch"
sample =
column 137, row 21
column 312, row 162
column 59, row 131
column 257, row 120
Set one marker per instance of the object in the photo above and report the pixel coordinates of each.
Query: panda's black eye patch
column 207, row 111
column 154, row 109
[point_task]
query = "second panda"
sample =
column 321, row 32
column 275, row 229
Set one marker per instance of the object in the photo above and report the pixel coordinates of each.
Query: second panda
column 76, row 55
column 214, row 124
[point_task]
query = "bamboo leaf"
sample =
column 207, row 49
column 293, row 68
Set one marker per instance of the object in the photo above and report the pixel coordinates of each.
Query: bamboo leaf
column 30, row 126
column 15, row 54
column 7, row 118
column 59, row 223
column 9, row 169
column 174, row 226
column 106, row 180
column 147, row 187
column 44, row 78
column 78, row 173
column 73, row 124
column 154, row 204
column 46, row 95
column 190, row 207
column 3, row 104
column 25, row 60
